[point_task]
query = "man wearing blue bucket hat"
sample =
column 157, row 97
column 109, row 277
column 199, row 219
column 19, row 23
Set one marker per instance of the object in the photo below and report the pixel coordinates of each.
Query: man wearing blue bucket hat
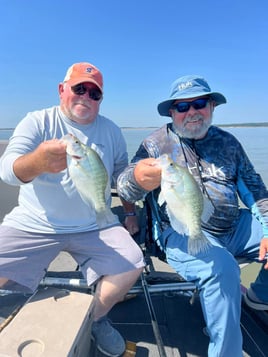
column 220, row 166
column 189, row 87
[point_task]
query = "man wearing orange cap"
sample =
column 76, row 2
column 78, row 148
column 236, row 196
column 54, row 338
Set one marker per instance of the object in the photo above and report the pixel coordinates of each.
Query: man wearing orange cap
column 51, row 216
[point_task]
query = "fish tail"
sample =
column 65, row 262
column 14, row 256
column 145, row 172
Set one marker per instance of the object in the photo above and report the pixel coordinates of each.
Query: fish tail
column 198, row 244
column 105, row 218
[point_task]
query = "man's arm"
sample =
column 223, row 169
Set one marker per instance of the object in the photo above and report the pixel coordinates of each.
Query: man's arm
column 49, row 156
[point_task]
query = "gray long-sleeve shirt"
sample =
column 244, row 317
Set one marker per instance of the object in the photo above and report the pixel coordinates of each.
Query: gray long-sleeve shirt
column 51, row 203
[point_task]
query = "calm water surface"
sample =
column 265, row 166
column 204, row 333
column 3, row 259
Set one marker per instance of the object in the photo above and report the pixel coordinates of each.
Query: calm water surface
column 253, row 139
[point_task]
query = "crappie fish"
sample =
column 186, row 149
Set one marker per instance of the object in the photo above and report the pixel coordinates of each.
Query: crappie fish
column 185, row 203
column 90, row 178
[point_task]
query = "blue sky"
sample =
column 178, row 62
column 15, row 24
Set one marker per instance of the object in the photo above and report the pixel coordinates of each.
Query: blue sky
column 141, row 47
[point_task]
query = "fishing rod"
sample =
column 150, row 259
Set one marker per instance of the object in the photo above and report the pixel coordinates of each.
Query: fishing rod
column 155, row 326
column 263, row 354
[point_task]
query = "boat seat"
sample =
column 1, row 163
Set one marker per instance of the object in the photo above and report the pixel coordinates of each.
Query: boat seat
column 151, row 228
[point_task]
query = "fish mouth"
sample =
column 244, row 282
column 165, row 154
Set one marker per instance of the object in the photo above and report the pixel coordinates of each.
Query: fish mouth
column 164, row 159
column 76, row 157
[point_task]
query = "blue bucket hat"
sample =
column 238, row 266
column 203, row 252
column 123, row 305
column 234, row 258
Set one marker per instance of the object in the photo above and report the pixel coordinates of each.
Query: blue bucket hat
column 189, row 87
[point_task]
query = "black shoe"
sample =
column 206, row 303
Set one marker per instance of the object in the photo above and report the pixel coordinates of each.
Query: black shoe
column 252, row 301
column 108, row 340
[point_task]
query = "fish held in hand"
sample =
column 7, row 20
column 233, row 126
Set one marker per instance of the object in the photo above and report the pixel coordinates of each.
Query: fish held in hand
column 186, row 205
column 90, row 178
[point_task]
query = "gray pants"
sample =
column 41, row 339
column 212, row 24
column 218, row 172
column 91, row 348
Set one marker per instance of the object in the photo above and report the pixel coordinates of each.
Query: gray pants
column 24, row 256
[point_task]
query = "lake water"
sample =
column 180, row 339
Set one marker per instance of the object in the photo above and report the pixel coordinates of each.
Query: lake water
column 253, row 139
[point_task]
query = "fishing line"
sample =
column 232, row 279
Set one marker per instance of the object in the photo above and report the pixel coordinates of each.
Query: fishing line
column 199, row 168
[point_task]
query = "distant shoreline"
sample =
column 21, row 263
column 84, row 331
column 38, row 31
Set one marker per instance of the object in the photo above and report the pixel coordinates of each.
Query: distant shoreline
column 244, row 125
column 232, row 125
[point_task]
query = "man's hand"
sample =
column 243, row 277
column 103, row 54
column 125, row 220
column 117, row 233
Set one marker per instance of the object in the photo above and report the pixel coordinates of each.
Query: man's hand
column 48, row 157
column 263, row 251
column 53, row 156
column 148, row 174
column 130, row 222
column 132, row 225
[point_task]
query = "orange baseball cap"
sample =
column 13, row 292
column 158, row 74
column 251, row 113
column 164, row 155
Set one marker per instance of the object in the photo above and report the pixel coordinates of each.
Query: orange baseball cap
column 84, row 72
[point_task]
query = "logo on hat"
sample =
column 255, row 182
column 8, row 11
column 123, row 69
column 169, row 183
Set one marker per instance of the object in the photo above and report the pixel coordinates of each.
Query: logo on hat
column 84, row 72
column 185, row 85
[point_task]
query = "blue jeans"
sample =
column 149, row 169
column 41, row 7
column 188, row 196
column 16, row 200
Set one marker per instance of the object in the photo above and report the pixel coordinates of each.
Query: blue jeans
column 216, row 274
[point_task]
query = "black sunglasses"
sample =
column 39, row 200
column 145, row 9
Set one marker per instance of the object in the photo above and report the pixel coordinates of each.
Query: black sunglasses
column 183, row 107
column 93, row 93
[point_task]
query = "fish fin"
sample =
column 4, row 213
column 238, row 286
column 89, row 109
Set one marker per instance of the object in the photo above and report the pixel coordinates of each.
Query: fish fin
column 198, row 244
column 178, row 226
column 105, row 218
column 161, row 199
column 207, row 210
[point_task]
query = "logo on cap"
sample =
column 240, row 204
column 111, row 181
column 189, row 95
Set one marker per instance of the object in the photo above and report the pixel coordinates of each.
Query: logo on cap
column 185, row 85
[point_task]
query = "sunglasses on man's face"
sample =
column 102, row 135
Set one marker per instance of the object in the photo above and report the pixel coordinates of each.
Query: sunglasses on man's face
column 183, row 107
column 93, row 93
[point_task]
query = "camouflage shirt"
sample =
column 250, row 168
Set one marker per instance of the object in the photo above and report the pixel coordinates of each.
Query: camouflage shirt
column 218, row 163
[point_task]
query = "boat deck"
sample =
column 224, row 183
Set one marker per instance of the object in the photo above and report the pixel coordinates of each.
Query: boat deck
column 176, row 322
column 179, row 321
